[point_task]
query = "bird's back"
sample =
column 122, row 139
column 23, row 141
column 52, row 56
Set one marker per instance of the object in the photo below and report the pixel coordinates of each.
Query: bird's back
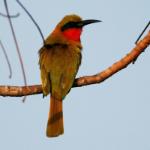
column 59, row 64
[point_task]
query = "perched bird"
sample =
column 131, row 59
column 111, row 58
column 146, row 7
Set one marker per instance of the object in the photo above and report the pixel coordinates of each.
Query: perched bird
column 59, row 60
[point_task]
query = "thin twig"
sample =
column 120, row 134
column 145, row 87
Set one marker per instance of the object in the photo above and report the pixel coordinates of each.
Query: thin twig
column 16, row 91
column 33, row 20
column 11, row 16
column 16, row 44
column 142, row 32
column 7, row 60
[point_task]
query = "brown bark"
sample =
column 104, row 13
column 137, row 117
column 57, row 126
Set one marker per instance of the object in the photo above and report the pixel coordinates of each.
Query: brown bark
column 131, row 57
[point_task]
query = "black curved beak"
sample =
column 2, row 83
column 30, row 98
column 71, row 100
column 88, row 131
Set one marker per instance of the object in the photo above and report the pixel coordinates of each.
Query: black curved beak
column 79, row 24
column 86, row 22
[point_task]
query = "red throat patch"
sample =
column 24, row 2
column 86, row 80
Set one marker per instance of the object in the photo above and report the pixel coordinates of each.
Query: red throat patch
column 73, row 34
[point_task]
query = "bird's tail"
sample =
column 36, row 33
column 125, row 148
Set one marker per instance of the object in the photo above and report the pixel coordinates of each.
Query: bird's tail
column 55, row 120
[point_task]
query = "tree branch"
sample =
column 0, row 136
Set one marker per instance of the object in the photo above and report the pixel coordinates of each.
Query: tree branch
column 17, row 91
column 7, row 59
column 16, row 44
column 10, row 16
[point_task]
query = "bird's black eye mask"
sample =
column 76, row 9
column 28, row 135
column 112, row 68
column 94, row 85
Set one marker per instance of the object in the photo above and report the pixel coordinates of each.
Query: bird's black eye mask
column 71, row 25
column 78, row 24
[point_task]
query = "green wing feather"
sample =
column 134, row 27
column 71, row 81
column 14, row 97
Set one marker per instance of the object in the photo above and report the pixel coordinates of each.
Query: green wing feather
column 59, row 65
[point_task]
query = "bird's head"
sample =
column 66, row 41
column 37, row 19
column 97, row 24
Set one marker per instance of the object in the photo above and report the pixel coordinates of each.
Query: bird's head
column 71, row 26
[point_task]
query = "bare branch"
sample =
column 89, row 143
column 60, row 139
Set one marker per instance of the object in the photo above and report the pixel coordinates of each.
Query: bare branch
column 117, row 66
column 86, row 80
column 6, row 56
column 10, row 16
column 16, row 44
column 18, row 91
column 142, row 32
column 33, row 20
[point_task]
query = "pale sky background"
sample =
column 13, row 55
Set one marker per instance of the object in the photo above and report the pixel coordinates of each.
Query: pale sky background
column 113, row 115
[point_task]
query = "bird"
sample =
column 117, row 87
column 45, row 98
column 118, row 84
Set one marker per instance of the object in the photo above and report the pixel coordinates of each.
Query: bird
column 59, row 61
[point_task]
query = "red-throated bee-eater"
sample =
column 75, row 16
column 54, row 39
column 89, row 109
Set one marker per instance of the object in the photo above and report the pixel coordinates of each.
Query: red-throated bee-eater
column 59, row 61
